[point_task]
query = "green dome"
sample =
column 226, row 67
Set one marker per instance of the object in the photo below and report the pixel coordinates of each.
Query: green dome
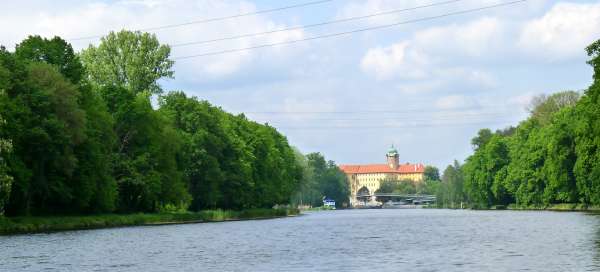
column 392, row 151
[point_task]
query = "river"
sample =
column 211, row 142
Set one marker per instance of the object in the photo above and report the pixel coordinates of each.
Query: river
column 343, row 240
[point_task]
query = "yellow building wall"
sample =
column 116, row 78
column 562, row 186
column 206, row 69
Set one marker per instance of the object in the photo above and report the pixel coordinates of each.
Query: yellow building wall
column 372, row 181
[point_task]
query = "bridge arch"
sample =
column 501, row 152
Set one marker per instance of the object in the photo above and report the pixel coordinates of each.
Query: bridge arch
column 363, row 191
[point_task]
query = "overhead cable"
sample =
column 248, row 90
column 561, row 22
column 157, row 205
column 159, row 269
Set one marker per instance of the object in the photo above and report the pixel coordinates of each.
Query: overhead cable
column 202, row 21
column 314, row 25
column 348, row 32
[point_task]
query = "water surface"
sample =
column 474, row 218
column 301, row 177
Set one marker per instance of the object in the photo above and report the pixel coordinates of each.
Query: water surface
column 343, row 240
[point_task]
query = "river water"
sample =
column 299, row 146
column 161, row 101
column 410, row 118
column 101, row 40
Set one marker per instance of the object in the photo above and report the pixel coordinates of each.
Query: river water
column 343, row 240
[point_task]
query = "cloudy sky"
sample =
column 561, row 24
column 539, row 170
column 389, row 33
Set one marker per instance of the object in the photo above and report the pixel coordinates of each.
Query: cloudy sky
column 426, row 87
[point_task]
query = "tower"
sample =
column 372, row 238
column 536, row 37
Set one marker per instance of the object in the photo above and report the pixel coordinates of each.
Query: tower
column 393, row 160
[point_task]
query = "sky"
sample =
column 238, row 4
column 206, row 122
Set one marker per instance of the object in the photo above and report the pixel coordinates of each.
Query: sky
column 425, row 87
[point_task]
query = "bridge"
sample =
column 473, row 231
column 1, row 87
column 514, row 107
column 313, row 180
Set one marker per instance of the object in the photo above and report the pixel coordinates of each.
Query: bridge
column 405, row 198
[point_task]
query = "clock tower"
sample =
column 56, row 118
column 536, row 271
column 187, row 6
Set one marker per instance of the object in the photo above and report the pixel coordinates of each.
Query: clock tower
column 393, row 160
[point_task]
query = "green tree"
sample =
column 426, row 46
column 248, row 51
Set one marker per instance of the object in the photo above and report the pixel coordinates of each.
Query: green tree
column 482, row 185
column 431, row 173
column 231, row 162
column 91, row 182
column 587, row 136
column 593, row 50
column 55, row 51
column 5, row 178
column 483, row 136
column 543, row 107
column 561, row 156
column 132, row 60
column 324, row 179
column 46, row 125
column 124, row 69
column 450, row 193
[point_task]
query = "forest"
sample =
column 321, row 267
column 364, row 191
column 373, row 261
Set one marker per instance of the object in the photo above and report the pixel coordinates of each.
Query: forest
column 80, row 134
column 553, row 157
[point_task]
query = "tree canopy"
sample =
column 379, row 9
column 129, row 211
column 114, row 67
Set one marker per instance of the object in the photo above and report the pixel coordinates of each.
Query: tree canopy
column 79, row 135
column 552, row 157
column 321, row 179
column 129, row 59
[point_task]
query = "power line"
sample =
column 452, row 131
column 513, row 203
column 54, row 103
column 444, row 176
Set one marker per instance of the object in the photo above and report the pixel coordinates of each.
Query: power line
column 349, row 32
column 215, row 19
column 393, row 126
column 418, row 118
column 314, row 25
column 414, row 110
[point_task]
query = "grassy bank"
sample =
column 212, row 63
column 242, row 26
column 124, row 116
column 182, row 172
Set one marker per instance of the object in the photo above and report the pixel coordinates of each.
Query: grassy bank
column 35, row 224
column 556, row 207
column 550, row 207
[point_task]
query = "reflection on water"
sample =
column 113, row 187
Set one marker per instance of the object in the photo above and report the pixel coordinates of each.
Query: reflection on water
column 596, row 262
column 350, row 240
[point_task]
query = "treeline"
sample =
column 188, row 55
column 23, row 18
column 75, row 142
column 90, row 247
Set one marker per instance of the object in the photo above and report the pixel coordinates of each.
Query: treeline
column 79, row 135
column 430, row 184
column 552, row 157
column 321, row 179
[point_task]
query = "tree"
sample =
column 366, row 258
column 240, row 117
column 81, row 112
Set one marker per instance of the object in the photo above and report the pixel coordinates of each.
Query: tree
column 331, row 180
column 593, row 50
column 482, row 185
column 91, row 182
column 587, row 136
column 147, row 170
column 231, row 162
column 5, row 179
column 542, row 107
column 132, row 60
column 483, row 136
column 322, row 179
column 55, row 51
column 450, row 193
column 431, row 173
column 124, row 69
column 46, row 125
column 561, row 156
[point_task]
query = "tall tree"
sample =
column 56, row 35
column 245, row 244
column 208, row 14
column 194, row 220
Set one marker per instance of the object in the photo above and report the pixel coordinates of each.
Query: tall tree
column 92, row 182
column 543, row 107
column 330, row 181
column 587, row 135
column 132, row 60
column 46, row 125
column 5, row 178
column 482, row 184
column 483, row 136
column 431, row 173
column 450, row 193
column 55, row 51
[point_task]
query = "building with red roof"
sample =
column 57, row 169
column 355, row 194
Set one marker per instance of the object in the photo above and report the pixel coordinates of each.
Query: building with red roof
column 367, row 178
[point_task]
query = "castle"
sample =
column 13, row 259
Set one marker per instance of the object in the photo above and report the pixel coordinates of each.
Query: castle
column 368, row 177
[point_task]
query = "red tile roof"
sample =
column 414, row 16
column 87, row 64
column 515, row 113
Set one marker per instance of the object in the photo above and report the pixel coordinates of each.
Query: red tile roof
column 382, row 168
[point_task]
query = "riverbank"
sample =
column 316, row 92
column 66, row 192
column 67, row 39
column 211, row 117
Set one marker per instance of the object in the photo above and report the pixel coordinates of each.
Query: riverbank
column 37, row 224
column 556, row 207
column 564, row 207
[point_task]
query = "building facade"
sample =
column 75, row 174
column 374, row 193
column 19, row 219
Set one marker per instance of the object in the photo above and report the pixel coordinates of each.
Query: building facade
column 367, row 178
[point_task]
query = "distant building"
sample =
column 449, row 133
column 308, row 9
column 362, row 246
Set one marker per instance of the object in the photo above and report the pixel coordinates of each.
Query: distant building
column 367, row 178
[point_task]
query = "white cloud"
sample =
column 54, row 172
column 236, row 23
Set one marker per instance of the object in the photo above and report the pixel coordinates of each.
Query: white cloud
column 563, row 31
column 398, row 60
column 98, row 17
column 434, row 54
column 472, row 39
column 362, row 8
column 406, row 9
